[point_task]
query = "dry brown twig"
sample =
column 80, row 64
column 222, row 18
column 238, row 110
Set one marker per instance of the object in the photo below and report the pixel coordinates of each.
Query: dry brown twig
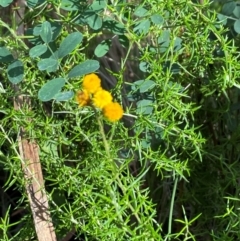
column 31, row 165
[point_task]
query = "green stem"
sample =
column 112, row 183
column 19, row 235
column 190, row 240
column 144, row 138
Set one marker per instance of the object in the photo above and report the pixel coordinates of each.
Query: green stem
column 171, row 207
column 106, row 146
column 13, row 34
column 107, row 149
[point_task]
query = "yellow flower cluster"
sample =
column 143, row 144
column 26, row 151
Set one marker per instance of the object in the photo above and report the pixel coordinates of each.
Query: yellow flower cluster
column 93, row 94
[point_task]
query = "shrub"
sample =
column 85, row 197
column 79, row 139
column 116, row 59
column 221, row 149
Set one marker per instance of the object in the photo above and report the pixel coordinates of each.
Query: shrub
column 132, row 108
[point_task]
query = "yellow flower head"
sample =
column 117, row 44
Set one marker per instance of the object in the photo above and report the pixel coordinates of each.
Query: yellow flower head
column 91, row 83
column 113, row 111
column 83, row 98
column 101, row 98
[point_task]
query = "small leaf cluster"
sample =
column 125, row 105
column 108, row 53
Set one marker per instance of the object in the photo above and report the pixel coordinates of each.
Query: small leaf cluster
column 228, row 15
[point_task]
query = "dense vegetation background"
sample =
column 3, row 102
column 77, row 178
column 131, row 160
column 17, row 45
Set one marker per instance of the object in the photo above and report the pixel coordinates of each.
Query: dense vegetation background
column 169, row 169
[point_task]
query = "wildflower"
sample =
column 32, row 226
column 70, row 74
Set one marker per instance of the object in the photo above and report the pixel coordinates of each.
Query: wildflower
column 83, row 98
column 101, row 98
column 113, row 111
column 91, row 83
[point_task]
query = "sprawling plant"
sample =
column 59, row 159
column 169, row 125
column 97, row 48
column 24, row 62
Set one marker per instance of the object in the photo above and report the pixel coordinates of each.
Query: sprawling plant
column 134, row 109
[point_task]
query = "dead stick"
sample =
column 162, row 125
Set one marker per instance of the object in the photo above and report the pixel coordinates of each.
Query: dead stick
column 31, row 165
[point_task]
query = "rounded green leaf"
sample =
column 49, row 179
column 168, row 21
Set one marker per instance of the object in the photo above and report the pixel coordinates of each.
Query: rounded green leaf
column 98, row 5
column 142, row 27
column 144, row 85
column 5, row 55
column 37, row 51
column 51, row 89
column 157, row 19
column 228, row 8
column 5, row 3
column 103, row 48
column 69, row 44
column 164, row 41
column 15, row 71
column 55, row 29
column 70, row 5
column 92, row 19
column 49, row 64
column 37, row 30
column 141, row 12
column 64, row 96
column 237, row 26
column 145, row 144
column 144, row 107
column 144, row 66
column 165, row 37
column 177, row 44
column 86, row 67
column 46, row 32
column 174, row 86
column 236, row 11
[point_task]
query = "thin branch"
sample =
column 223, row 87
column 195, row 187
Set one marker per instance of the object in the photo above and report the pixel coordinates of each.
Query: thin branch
column 29, row 152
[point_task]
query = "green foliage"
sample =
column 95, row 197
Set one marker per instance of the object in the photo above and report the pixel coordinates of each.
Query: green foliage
column 169, row 169
column 84, row 68
column 103, row 48
column 50, row 89
column 15, row 71
column 230, row 11
column 69, row 44
column 5, row 3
